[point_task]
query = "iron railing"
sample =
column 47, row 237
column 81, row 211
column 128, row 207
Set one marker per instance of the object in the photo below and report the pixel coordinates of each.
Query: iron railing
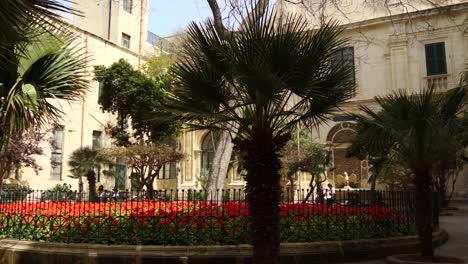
column 192, row 217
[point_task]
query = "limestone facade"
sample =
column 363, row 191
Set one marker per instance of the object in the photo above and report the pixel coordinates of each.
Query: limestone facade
column 388, row 53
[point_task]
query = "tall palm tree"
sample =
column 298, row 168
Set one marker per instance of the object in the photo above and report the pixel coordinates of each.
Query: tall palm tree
column 18, row 17
column 259, row 84
column 420, row 127
column 38, row 62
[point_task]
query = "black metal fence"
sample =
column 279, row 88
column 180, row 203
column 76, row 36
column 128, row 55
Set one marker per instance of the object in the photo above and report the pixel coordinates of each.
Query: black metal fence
column 191, row 217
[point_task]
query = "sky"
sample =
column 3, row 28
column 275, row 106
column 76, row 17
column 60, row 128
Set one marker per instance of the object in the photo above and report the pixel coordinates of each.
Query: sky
column 168, row 16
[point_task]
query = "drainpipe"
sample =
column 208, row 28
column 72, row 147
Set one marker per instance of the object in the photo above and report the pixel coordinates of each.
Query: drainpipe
column 141, row 33
column 83, row 111
column 109, row 22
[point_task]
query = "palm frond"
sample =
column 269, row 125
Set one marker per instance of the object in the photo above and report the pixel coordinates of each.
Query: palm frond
column 51, row 67
column 268, row 76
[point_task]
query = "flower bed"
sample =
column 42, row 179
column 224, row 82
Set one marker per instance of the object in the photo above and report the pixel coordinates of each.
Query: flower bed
column 191, row 223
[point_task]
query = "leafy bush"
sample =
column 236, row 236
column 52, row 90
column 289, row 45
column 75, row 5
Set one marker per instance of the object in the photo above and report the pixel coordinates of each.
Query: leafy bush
column 14, row 192
column 191, row 223
column 59, row 193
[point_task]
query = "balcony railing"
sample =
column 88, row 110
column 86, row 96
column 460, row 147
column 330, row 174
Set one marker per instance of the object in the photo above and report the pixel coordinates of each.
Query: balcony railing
column 439, row 82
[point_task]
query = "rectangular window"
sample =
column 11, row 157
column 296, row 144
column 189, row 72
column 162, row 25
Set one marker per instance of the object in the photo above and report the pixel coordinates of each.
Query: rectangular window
column 57, row 154
column 97, row 144
column 121, row 176
column 168, row 171
column 100, row 91
column 128, row 5
column 97, row 170
column 97, row 139
column 126, row 40
column 345, row 56
column 435, row 59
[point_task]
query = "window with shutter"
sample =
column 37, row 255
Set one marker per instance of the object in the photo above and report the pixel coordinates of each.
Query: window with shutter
column 436, row 63
column 345, row 56
column 128, row 5
column 57, row 154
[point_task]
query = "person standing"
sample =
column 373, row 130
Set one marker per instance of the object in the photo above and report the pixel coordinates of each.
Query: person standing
column 330, row 194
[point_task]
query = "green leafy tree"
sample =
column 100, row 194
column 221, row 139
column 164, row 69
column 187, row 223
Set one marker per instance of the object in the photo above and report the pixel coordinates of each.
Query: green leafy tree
column 145, row 162
column 159, row 65
column 259, row 83
column 135, row 98
column 302, row 153
column 83, row 162
column 420, row 128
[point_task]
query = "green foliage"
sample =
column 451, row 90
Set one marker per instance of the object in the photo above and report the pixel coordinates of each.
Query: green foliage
column 83, row 160
column 421, row 129
column 50, row 67
column 198, row 223
column 302, row 153
column 249, row 79
column 39, row 62
column 158, row 65
column 144, row 160
column 59, row 193
column 135, row 98
column 14, row 192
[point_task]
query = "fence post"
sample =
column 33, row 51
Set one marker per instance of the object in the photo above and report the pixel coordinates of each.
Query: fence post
column 435, row 209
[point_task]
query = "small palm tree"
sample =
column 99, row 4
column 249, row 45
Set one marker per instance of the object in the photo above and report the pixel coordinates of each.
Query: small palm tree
column 259, row 84
column 83, row 162
column 420, row 128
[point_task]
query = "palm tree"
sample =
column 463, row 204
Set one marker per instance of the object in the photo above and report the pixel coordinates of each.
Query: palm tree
column 38, row 62
column 420, row 128
column 20, row 21
column 83, row 162
column 259, row 84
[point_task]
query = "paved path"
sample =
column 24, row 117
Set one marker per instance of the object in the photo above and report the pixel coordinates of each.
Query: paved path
column 456, row 226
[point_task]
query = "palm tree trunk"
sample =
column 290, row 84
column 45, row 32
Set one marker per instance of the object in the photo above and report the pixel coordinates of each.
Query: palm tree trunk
column 263, row 195
column 91, row 177
column 424, row 212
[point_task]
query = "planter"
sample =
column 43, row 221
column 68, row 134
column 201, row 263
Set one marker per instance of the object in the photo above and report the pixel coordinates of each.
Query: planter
column 14, row 251
column 416, row 259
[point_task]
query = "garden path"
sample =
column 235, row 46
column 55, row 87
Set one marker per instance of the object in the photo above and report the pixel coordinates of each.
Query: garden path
column 457, row 227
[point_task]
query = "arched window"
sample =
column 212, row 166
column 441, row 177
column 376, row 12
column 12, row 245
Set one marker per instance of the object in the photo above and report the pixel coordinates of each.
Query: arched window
column 208, row 148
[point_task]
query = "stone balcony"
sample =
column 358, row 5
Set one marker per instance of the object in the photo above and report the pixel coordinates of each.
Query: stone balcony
column 439, row 82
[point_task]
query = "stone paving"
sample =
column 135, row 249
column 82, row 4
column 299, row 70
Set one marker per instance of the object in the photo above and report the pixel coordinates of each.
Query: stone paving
column 457, row 227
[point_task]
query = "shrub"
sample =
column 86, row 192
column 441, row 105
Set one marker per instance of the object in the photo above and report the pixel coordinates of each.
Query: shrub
column 59, row 193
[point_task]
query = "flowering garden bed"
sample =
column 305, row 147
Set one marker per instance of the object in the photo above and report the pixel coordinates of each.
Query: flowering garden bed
column 192, row 223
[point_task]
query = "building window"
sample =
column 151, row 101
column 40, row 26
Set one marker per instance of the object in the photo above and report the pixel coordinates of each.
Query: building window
column 121, row 176
column 168, row 171
column 128, row 5
column 345, row 56
column 97, row 144
column 207, row 150
column 435, row 59
column 100, row 91
column 126, row 40
column 97, row 139
column 57, row 154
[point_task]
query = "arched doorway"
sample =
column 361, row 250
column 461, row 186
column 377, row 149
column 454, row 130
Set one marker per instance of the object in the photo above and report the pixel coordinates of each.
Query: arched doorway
column 340, row 137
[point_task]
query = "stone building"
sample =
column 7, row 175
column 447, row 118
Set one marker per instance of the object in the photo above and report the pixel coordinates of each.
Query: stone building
column 389, row 49
column 107, row 31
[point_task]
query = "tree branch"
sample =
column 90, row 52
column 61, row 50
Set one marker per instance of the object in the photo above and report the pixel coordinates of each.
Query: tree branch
column 217, row 18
